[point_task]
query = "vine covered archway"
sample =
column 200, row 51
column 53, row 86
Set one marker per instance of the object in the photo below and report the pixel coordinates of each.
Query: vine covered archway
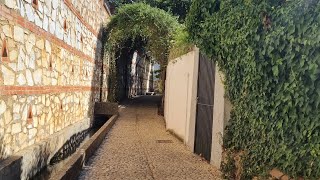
column 138, row 27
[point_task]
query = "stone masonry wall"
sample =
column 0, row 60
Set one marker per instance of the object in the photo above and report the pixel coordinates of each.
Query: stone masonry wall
column 85, row 8
column 50, row 69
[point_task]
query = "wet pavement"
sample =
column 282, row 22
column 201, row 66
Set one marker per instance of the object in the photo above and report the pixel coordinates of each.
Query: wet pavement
column 138, row 147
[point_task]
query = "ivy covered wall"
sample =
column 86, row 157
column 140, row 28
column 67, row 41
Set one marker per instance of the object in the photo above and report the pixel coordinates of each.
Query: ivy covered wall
column 269, row 52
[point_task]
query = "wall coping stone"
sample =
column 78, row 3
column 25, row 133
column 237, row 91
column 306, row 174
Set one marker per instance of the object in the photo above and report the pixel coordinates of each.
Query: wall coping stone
column 73, row 167
column 106, row 108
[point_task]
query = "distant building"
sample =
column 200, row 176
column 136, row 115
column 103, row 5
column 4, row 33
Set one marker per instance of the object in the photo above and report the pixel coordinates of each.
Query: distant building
column 134, row 75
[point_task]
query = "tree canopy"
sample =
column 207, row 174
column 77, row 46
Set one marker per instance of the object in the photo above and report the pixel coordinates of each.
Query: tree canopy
column 178, row 8
column 145, row 27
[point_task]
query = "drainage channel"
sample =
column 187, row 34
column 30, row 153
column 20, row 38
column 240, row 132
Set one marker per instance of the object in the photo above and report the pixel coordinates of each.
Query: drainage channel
column 69, row 148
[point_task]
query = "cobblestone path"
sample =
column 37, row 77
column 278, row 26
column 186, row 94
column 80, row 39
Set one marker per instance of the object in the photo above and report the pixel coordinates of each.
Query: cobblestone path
column 131, row 150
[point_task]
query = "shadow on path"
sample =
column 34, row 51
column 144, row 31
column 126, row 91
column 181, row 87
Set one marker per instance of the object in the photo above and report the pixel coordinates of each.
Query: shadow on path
column 138, row 147
column 151, row 101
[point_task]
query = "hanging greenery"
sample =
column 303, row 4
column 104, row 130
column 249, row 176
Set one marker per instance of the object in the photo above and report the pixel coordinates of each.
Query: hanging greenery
column 269, row 52
column 181, row 44
column 178, row 8
column 140, row 27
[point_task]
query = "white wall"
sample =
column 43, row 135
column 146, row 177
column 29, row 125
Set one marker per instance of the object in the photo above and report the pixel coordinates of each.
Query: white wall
column 181, row 99
column 221, row 115
column 180, row 96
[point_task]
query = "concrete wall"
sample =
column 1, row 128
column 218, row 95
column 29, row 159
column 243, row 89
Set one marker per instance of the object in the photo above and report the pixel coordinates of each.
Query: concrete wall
column 221, row 115
column 180, row 103
column 180, row 96
column 49, row 75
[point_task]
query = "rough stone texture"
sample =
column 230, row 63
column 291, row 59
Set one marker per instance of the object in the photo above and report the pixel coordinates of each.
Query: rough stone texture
column 29, row 65
column 55, row 12
column 43, row 55
column 84, row 8
column 48, row 118
column 130, row 150
column 46, row 148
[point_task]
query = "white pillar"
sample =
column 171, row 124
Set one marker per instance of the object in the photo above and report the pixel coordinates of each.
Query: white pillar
column 149, row 75
column 221, row 114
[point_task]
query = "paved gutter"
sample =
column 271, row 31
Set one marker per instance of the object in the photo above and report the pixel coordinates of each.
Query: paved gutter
column 73, row 166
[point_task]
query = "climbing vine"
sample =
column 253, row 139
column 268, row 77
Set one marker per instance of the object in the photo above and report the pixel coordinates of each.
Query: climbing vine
column 141, row 27
column 178, row 8
column 181, row 44
column 269, row 52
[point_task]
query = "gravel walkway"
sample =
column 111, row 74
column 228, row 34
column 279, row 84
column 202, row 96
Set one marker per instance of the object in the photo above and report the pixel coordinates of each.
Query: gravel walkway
column 131, row 149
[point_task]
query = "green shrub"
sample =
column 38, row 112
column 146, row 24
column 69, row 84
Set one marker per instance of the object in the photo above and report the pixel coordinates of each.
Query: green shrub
column 269, row 52
column 180, row 44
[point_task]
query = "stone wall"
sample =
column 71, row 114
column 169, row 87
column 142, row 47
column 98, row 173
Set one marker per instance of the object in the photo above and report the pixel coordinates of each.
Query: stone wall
column 50, row 69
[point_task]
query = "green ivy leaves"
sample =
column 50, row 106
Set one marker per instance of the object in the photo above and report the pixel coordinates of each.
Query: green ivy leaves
column 269, row 52
column 139, row 27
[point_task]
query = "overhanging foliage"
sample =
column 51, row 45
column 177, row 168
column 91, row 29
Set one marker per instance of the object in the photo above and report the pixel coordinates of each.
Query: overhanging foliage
column 147, row 29
column 178, row 8
column 269, row 52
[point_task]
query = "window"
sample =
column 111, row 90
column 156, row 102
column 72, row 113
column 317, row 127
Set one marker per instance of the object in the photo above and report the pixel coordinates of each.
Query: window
column 35, row 4
column 50, row 64
column 30, row 116
column 65, row 27
column 4, row 51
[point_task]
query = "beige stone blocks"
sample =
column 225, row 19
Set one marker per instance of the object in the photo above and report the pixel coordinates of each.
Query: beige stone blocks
column 45, row 69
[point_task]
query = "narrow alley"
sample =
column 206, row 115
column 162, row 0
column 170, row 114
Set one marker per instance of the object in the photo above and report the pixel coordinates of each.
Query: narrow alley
column 80, row 86
column 138, row 147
